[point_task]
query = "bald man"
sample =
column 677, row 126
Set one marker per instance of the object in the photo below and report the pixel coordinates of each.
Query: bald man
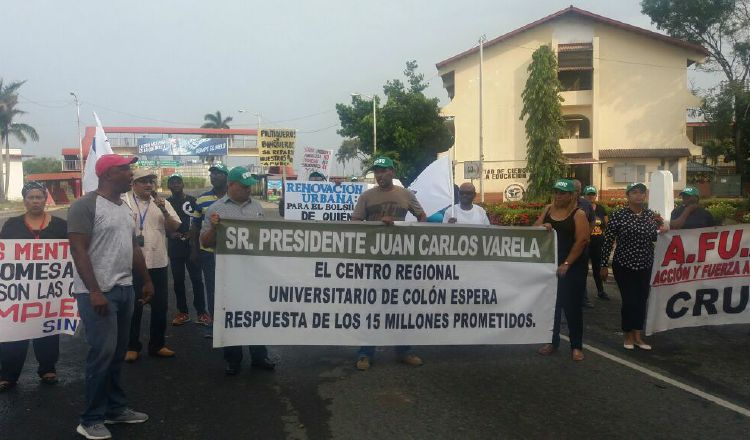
column 466, row 212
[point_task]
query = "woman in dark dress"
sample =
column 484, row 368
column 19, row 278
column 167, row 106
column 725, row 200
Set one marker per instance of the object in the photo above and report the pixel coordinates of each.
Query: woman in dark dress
column 34, row 224
column 572, row 228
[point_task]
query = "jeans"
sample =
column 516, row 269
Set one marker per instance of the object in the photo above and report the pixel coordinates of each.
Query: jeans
column 208, row 264
column 13, row 356
column 158, row 305
column 178, row 265
column 634, row 287
column 107, row 337
column 369, row 351
column 569, row 300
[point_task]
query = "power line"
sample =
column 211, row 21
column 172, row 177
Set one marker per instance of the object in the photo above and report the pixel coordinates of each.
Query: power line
column 68, row 103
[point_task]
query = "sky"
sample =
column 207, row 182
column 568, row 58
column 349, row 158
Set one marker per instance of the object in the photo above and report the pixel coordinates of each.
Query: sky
column 169, row 62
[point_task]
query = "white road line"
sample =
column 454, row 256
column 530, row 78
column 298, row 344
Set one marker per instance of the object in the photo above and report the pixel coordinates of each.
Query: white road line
column 710, row 397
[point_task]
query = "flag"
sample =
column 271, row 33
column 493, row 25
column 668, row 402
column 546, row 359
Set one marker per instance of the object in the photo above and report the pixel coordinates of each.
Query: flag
column 433, row 187
column 99, row 147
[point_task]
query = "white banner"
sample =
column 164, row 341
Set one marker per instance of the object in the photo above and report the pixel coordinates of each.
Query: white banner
column 315, row 159
column 316, row 283
column 36, row 289
column 327, row 201
column 700, row 277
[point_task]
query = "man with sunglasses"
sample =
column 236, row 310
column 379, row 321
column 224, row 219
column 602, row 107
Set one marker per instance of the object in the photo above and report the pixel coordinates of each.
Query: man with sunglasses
column 466, row 212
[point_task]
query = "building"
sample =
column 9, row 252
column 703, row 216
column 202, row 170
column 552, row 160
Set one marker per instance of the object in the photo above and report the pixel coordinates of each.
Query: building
column 625, row 94
column 16, row 173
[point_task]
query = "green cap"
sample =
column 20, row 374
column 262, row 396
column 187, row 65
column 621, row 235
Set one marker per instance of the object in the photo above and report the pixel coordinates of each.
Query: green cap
column 589, row 190
column 220, row 167
column 174, row 176
column 635, row 185
column 317, row 174
column 565, row 185
column 382, row 162
column 242, row 175
column 690, row 191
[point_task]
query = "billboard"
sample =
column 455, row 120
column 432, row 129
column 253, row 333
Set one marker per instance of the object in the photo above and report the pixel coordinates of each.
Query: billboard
column 183, row 147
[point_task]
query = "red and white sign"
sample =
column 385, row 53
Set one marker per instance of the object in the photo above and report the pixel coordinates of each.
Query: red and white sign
column 36, row 289
column 700, row 277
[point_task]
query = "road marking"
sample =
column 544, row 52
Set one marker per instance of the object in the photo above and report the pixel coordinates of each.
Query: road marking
column 710, row 397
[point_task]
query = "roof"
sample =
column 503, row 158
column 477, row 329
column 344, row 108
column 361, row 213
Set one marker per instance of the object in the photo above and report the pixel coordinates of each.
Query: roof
column 572, row 10
column 697, row 167
column 53, row 176
column 626, row 153
column 580, row 158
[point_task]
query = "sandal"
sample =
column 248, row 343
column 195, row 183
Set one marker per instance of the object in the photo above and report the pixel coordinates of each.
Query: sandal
column 547, row 349
column 577, row 355
column 49, row 379
column 6, row 385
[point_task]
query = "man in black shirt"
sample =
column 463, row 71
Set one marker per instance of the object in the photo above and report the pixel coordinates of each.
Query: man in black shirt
column 690, row 215
column 588, row 209
column 179, row 255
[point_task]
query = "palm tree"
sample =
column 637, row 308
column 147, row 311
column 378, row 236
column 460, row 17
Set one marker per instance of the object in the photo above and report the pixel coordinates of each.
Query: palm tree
column 216, row 121
column 8, row 128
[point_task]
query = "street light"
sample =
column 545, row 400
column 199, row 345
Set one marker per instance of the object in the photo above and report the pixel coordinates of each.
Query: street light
column 374, row 121
column 78, row 119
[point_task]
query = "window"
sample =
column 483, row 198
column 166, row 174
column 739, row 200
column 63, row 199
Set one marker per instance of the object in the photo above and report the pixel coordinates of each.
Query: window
column 576, row 127
column 575, row 64
column 627, row 173
column 673, row 166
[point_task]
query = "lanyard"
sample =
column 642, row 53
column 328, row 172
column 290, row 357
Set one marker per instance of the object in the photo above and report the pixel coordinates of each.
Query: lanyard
column 35, row 233
column 141, row 216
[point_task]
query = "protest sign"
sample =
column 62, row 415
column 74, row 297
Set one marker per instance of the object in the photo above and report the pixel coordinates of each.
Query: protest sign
column 183, row 147
column 36, row 289
column 321, row 200
column 357, row 283
column 276, row 146
column 314, row 159
column 700, row 277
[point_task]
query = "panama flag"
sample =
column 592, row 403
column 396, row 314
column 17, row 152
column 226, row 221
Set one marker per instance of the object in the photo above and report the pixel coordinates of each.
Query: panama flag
column 433, row 187
column 99, row 147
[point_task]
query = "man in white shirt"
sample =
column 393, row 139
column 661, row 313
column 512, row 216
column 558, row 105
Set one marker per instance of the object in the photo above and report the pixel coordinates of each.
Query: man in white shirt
column 466, row 212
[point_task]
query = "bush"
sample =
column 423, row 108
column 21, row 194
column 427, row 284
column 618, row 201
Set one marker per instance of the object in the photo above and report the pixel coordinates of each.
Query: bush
column 721, row 211
column 190, row 182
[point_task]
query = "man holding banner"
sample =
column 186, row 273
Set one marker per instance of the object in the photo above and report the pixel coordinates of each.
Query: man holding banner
column 237, row 204
column 105, row 252
column 386, row 203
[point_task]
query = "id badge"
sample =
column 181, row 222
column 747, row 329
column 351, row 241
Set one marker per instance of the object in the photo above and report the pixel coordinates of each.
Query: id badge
column 139, row 239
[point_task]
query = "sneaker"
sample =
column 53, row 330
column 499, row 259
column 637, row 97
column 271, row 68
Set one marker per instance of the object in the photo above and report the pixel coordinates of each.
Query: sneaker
column 363, row 363
column 127, row 416
column 204, row 319
column 180, row 319
column 411, row 359
column 98, row 431
column 603, row 296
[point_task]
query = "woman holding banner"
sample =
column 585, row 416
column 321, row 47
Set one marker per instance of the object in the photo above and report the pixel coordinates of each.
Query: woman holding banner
column 572, row 228
column 35, row 224
column 634, row 228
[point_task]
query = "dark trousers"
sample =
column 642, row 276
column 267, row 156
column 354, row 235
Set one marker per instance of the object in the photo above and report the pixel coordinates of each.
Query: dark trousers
column 208, row 265
column 158, row 306
column 178, row 265
column 595, row 255
column 13, row 356
column 233, row 355
column 569, row 300
column 634, row 286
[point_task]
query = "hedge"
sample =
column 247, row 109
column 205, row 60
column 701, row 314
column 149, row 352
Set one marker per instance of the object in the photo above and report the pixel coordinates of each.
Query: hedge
column 190, row 182
column 526, row 213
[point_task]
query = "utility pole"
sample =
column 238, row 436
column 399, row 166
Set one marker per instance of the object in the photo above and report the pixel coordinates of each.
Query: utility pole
column 80, row 141
column 482, row 39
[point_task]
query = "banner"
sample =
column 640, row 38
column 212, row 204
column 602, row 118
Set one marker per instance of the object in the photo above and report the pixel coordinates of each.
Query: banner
column 321, row 200
column 277, row 146
column 314, row 159
column 99, row 147
column 183, row 147
column 433, row 187
column 357, row 283
column 700, row 277
column 36, row 289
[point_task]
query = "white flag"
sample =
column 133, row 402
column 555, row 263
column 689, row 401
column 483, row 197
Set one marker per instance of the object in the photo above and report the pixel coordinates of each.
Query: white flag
column 99, row 147
column 433, row 187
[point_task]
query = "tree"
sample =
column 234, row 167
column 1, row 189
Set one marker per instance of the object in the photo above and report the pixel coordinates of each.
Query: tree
column 41, row 165
column 410, row 128
column 722, row 27
column 8, row 128
column 350, row 150
column 544, row 124
column 216, row 120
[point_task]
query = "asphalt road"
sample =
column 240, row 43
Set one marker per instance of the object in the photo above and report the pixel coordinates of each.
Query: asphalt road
column 461, row 392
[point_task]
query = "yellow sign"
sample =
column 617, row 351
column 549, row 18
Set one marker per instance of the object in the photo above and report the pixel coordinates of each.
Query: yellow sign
column 276, row 146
